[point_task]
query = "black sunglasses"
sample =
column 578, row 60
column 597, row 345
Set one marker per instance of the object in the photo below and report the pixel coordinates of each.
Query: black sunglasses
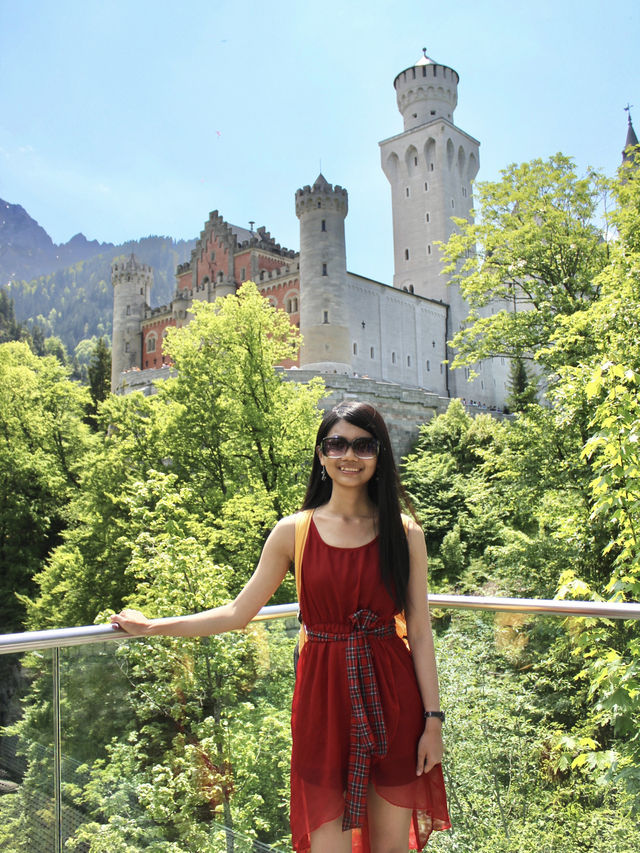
column 364, row 447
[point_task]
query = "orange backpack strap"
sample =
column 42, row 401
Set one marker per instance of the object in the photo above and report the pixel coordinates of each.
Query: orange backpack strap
column 303, row 521
column 401, row 622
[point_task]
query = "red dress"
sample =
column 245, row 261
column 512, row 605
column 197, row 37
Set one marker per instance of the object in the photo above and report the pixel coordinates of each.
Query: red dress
column 337, row 583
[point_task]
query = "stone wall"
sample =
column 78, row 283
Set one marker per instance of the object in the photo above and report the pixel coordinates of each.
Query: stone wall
column 404, row 409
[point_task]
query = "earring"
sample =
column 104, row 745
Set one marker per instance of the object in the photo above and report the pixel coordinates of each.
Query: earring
column 323, row 475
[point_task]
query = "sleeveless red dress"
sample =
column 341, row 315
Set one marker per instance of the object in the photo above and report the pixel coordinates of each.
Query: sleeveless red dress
column 336, row 584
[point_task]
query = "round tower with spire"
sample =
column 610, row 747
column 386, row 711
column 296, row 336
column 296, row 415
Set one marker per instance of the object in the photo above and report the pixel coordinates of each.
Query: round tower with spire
column 324, row 321
column 132, row 282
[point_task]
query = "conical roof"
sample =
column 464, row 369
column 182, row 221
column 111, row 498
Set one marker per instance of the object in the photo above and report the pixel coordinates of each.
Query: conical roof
column 631, row 142
column 321, row 183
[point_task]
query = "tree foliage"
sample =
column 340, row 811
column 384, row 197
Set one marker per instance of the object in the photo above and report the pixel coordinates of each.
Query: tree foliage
column 532, row 255
column 43, row 445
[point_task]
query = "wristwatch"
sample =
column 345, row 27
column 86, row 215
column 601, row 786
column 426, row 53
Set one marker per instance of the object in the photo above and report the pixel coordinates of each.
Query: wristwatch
column 438, row 714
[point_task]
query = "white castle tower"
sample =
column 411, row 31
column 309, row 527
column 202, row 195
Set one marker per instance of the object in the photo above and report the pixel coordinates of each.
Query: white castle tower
column 132, row 284
column 430, row 167
column 324, row 321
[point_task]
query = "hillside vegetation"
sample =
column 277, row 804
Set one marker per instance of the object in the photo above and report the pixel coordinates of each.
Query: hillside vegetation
column 76, row 303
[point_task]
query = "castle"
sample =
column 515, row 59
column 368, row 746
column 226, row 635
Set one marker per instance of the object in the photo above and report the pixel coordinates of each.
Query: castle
column 360, row 334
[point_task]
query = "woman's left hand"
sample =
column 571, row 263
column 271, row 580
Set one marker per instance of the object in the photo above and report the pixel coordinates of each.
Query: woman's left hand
column 430, row 748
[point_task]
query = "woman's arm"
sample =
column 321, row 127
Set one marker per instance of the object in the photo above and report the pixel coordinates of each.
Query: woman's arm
column 430, row 747
column 276, row 557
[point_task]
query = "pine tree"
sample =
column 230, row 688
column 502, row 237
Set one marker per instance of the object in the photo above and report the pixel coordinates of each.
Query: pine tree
column 99, row 372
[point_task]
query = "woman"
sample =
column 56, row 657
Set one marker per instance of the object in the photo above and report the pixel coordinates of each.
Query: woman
column 366, row 719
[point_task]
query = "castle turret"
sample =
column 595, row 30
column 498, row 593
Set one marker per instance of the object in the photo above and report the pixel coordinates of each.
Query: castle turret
column 430, row 167
column 324, row 322
column 132, row 284
column 426, row 91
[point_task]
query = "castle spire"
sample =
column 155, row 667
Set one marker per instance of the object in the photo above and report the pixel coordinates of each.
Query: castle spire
column 632, row 139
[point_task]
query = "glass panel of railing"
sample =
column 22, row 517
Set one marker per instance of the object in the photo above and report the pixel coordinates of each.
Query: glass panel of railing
column 512, row 692
column 178, row 745
column 27, row 802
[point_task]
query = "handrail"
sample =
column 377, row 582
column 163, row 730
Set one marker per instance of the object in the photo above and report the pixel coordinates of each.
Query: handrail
column 58, row 637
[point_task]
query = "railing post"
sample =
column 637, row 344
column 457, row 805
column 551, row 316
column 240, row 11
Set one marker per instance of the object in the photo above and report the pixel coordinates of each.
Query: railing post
column 57, row 764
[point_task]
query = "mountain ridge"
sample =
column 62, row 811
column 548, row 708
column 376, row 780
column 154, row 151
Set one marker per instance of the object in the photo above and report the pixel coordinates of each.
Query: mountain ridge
column 66, row 288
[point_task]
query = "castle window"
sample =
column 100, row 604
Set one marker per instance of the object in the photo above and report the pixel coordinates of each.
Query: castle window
column 408, row 361
column 433, row 112
column 325, row 316
column 355, row 348
column 372, row 353
column 426, row 186
column 431, row 167
column 453, row 204
column 393, row 358
column 428, row 248
column 141, row 291
column 406, row 254
column 441, row 367
column 464, row 192
column 410, row 288
column 126, row 347
column 407, row 191
column 213, row 256
column 243, row 273
column 428, row 365
column 151, row 342
column 324, row 269
column 415, row 161
column 292, row 305
column 319, row 204
column 128, row 310
column 324, row 225
column 427, row 217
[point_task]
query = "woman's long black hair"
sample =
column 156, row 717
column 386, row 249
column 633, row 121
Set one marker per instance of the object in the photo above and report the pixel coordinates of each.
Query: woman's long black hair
column 385, row 490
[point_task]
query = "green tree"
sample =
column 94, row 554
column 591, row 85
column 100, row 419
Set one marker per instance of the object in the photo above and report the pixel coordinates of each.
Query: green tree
column 609, row 381
column 531, row 255
column 99, row 375
column 43, row 443
column 522, row 385
column 228, row 426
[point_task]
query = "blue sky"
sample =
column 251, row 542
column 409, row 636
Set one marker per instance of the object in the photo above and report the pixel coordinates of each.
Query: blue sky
column 125, row 118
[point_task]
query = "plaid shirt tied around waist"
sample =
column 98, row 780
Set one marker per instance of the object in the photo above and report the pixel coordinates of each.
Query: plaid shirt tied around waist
column 368, row 736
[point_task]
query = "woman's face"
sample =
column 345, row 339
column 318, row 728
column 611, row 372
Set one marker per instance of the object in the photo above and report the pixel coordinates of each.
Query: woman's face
column 343, row 464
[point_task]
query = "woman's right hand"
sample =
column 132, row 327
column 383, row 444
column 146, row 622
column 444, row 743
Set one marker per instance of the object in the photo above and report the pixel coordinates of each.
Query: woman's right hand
column 132, row 621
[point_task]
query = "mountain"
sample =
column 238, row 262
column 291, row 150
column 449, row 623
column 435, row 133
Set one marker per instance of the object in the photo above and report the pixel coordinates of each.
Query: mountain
column 66, row 289
column 27, row 251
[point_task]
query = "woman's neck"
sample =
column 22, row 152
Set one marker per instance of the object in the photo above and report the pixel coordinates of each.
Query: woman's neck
column 350, row 503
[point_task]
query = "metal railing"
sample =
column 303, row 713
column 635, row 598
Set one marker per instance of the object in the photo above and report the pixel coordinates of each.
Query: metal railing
column 56, row 639
column 61, row 637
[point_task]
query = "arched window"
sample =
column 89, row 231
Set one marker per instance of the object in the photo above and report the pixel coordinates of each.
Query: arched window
column 151, row 342
column 393, row 358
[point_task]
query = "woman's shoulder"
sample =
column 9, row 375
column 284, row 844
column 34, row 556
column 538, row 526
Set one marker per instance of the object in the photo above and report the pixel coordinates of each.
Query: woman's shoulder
column 415, row 534
column 410, row 525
